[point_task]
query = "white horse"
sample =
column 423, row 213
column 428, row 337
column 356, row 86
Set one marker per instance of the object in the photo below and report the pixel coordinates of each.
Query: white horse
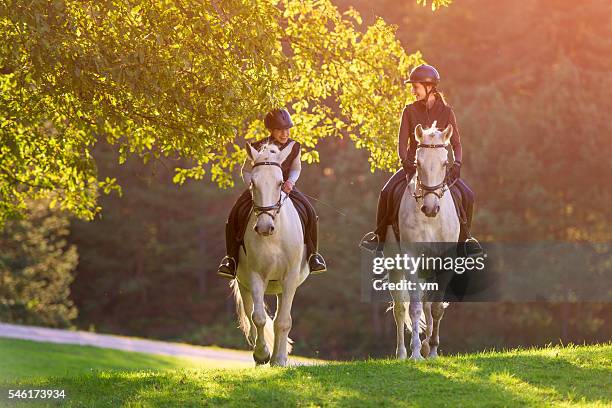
column 426, row 214
column 274, row 261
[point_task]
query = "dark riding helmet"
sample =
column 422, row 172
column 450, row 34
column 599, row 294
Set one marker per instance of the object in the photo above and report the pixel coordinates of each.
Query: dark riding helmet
column 425, row 74
column 278, row 119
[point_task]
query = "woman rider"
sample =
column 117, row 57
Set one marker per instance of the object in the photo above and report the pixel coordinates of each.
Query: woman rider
column 429, row 107
column 279, row 123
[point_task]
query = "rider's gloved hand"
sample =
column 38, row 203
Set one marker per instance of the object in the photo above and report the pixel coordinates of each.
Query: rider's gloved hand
column 409, row 169
column 288, row 186
column 455, row 171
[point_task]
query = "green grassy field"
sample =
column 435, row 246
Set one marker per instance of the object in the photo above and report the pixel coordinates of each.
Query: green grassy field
column 27, row 359
column 569, row 376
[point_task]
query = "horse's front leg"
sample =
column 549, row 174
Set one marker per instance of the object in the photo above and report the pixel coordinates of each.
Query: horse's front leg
column 282, row 322
column 261, row 353
column 415, row 309
column 425, row 349
column 437, row 311
column 399, row 314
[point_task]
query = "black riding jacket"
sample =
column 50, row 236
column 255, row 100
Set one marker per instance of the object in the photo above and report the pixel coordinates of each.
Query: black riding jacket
column 415, row 114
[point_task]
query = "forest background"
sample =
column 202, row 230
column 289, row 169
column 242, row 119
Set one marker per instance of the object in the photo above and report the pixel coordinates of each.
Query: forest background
column 529, row 82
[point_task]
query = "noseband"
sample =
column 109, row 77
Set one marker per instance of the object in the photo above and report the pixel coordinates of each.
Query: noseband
column 270, row 210
column 424, row 189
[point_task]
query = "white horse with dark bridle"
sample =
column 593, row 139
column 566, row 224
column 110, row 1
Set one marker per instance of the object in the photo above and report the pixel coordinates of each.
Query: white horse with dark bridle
column 426, row 214
column 273, row 260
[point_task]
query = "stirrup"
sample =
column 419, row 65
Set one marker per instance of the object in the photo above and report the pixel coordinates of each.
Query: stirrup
column 225, row 270
column 367, row 238
column 475, row 254
column 318, row 271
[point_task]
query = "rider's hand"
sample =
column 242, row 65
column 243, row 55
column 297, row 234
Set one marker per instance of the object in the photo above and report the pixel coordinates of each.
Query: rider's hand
column 409, row 169
column 288, row 186
column 455, row 171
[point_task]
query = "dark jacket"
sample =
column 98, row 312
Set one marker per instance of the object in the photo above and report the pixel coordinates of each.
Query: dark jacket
column 415, row 114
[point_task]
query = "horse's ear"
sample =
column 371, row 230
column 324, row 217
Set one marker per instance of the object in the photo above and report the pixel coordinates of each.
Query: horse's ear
column 418, row 133
column 251, row 152
column 286, row 152
column 448, row 132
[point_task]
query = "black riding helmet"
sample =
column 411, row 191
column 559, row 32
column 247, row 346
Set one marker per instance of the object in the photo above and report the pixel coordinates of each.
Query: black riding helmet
column 425, row 74
column 278, row 119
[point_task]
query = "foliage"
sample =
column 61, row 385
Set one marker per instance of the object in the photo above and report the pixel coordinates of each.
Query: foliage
column 182, row 79
column 36, row 269
column 435, row 4
column 552, row 376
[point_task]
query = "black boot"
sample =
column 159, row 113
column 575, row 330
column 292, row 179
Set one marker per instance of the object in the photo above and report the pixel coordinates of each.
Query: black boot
column 227, row 268
column 316, row 263
column 472, row 248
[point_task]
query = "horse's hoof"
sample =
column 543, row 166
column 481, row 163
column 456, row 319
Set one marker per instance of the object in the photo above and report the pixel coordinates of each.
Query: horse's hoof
column 425, row 349
column 278, row 363
column 401, row 354
column 417, row 357
column 262, row 361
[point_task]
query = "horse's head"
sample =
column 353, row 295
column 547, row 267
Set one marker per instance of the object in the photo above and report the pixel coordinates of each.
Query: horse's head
column 266, row 183
column 432, row 161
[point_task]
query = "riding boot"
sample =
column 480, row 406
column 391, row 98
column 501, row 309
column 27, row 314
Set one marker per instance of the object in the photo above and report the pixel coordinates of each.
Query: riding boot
column 234, row 234
column 228, row 265
column 375, row 241
column 469, row 246
column 227, row 268
column 316, row 263
column 372, row 240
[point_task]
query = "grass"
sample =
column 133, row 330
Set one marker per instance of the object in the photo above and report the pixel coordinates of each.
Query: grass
column 554, row 376
column 28, row 359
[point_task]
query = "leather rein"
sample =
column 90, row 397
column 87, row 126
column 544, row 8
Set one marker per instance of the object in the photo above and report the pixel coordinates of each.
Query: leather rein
column 424, row 189
column 270, row 210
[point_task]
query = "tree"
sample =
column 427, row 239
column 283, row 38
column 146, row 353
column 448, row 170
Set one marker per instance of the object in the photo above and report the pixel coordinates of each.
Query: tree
column 145, row 262
column 36, row 266
column 182, row 78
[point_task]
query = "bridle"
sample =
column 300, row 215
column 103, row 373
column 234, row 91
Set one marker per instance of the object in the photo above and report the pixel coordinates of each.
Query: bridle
column 424, row 189
column 270, row 210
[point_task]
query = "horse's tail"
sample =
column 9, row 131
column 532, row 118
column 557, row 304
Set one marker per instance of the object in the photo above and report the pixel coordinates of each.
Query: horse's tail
column 244, row 320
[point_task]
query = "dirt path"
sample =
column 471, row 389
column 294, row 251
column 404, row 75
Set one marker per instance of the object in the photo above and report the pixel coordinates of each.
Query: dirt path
column 124, row 343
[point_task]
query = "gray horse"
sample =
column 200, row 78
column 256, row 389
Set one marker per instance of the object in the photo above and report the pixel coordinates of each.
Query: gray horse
column 274, row 261
column 426, row 214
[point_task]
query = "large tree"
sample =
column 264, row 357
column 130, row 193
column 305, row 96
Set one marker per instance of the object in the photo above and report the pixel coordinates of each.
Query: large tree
column 36, row 265
column 182, row 78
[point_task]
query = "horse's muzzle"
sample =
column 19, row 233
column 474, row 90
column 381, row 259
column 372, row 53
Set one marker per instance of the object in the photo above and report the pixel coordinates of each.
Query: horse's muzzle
column 430, row 214
column 264, row 231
